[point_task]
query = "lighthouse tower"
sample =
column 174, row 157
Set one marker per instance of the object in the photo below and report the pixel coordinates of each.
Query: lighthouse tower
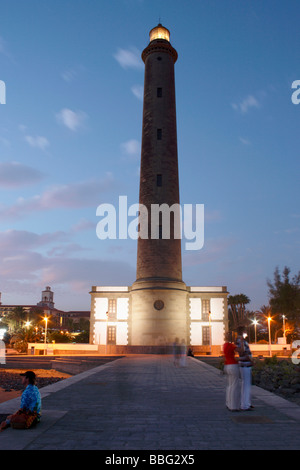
column 159, row 296
column 158, row 307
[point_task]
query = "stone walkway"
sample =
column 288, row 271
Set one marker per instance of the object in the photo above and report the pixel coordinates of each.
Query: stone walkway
column 146, row 403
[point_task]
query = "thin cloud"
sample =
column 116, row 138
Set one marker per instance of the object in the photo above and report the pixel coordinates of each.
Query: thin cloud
column 25, row 265
column 244, row 141
column 67, row 196
column 71, row 74
column 14, row 241
column 38, row 142
column 81, row 273
column 68, row 75
column 4, row 49
column 71, row 274
column 2, row 46
column 131, row 147
column 138, row 91
column 249, row 102
column 5, row 142
column 73, row 120
column 213, row 250
column 15, row 174
column 82, row 226
column 64, row 251
column 129, row 58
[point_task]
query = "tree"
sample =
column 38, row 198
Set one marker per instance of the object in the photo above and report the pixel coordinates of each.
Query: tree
column 60, row 337
column 238, row 316
column 15, row 319
column 82, row 337
column 22, row 337
column 19, row 317
column 261, row 317
column 284, row 294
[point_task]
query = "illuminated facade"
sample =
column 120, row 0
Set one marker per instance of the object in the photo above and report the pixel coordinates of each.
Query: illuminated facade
column 158, row 307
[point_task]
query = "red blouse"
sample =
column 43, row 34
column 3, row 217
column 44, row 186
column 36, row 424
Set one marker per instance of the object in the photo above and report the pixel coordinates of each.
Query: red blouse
column 229, row 349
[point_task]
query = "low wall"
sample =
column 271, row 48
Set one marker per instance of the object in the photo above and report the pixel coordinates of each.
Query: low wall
column 207, row 350
column 164, row 349
column 276, row 349
column 69, row 348
column 57, row 349
column 62, row 348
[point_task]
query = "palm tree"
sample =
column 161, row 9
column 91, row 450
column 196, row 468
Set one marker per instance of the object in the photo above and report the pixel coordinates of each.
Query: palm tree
column 237, row 310
column 15, row 318
column 22, row 337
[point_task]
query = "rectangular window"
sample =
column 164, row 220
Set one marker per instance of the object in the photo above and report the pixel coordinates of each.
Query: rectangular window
column 205, row 336
column 159, row 180
column 205, row 309
column 111, row 335
column 159, row 92
column 112, row 306
column 159, row 134
column 112, row 310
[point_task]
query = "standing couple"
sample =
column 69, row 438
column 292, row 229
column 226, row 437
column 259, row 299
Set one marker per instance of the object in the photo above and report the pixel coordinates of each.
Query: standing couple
column 238, row 397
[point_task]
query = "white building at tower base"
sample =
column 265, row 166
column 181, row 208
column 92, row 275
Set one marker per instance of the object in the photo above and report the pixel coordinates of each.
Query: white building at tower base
column 112, row 320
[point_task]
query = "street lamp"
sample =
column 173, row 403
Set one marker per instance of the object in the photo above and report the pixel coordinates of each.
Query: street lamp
column 209, row 318
column 269, row 328
column 283, row 320
column 45, row 343
column 106, row 333
column 255, row 323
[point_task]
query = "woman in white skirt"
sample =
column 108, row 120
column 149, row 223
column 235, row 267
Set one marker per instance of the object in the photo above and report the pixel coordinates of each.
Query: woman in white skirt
column 231, row 369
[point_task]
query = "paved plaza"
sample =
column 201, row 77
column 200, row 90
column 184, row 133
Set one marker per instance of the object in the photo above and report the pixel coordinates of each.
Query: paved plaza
column 146, row 403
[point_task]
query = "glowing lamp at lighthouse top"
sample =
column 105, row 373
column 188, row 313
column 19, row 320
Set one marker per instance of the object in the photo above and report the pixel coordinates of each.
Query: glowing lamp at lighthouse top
column 159, row 32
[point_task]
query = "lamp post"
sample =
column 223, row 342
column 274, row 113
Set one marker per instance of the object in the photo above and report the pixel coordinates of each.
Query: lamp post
column 210, row 341
column 269, row 328
column 106, row 333
column 45, row 343
column 255, row 322
column 283, row 321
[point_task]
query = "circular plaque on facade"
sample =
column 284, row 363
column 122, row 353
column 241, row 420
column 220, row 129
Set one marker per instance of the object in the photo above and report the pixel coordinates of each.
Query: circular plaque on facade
column 159, row 305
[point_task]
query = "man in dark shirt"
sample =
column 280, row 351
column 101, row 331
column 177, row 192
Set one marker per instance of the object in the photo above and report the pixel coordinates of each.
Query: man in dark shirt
column 245, row 363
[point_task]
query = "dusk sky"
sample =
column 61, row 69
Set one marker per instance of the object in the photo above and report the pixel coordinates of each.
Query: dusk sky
column 70, row 138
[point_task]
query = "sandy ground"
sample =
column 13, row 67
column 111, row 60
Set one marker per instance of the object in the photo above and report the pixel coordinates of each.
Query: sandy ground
column 5, row 396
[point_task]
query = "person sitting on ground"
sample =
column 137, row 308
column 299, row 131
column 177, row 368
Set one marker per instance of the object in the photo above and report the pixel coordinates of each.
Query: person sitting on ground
column 30, row 402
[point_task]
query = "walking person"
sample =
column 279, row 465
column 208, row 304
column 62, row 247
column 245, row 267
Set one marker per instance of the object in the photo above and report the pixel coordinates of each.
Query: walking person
column 245, row 364
column 176, row 352
column 231, row 369
column 183, row 353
